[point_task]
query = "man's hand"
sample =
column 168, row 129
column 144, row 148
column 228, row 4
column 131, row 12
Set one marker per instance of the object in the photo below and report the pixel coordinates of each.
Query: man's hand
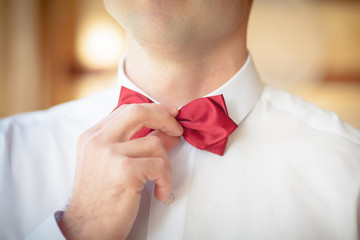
column 112, row 169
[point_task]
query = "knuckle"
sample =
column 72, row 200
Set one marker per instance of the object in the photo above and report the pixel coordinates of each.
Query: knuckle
column 165, row 117
column 166, row 120
column 135, row 109
column 95, row 139
column 128, row 171
column 126, row 163
column 83, row 138
column 164, row 164
column 157, row 168
column 121, row 108
column 156, row 145
column 92, row 141
column 154, row 141
column 112, row 151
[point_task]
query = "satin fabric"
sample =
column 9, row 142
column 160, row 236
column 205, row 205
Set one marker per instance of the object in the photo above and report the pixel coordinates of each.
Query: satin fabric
column 205, row 121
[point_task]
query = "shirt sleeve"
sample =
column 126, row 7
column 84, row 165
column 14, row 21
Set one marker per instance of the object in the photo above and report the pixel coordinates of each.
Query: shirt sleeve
column 49, row 229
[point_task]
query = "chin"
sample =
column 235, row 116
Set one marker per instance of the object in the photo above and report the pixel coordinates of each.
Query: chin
column 161, row 33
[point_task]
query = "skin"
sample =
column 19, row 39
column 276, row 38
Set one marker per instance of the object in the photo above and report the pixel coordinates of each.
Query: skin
column 182, row 50
column 177, row 51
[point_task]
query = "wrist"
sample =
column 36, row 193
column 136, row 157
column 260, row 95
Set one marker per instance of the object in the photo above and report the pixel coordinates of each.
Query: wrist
column 72, row 227
column 65, row 226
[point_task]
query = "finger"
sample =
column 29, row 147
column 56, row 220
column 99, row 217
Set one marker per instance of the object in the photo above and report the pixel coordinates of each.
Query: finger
column 162, row 190
column 146, row 147
column 172, row 110
column 135, row 116
column 159, row 171
column 169, row 142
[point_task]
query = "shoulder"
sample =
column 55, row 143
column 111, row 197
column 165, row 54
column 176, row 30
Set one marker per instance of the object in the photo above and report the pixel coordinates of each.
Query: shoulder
column 285, row 132
column 89, row 109
column 59, row 124
column 280, row 102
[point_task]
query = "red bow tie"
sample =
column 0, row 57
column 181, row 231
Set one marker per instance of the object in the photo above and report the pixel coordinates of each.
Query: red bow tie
column 205, row 121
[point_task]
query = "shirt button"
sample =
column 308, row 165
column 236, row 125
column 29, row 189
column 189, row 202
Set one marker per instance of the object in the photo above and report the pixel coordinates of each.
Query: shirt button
column 170, row 199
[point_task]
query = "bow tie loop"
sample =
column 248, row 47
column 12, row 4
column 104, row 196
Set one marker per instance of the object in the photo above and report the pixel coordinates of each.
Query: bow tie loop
column 205, row 121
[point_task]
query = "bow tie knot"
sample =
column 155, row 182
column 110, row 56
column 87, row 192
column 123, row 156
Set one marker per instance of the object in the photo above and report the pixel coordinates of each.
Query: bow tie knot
column 205, row 121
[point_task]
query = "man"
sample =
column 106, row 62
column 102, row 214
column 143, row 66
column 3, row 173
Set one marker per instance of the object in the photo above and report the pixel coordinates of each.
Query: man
column 288, row 170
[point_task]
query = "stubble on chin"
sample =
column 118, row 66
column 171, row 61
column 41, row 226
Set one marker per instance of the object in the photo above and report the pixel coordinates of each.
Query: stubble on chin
column 161, row 33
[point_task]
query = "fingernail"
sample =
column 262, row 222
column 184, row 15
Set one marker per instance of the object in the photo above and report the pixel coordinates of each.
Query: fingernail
column 174, row 111
column 170, row 199
column 181, row 130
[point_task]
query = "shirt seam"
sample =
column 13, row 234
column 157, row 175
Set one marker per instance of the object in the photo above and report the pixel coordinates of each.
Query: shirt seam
column 355, row 141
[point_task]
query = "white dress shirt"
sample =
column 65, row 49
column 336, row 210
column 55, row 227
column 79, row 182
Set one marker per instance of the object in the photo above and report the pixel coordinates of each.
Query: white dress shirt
column 290, row 170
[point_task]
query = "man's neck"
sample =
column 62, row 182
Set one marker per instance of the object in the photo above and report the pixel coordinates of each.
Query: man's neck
column 176, row 79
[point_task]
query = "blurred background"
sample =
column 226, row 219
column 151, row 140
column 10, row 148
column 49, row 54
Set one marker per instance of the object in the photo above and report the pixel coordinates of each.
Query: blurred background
column 53, row 51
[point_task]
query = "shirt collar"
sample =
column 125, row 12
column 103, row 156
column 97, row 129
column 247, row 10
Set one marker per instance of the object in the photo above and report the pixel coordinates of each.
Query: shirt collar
column 241, row 92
